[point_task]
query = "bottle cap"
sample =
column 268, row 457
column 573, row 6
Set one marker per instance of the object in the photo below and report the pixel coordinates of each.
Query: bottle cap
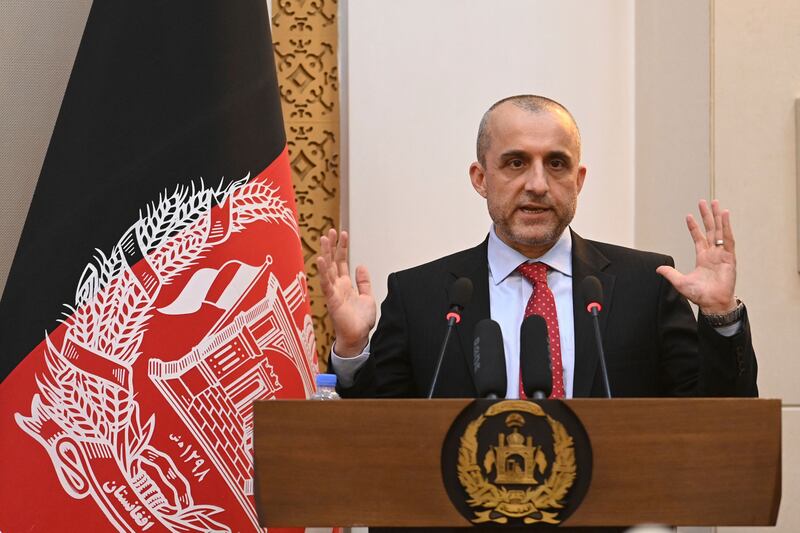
column 326, row 380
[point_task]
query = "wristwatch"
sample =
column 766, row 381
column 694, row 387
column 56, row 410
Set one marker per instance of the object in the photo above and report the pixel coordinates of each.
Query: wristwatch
column 720, row 321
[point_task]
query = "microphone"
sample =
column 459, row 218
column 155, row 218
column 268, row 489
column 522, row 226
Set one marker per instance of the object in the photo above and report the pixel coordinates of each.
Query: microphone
column 489, row 360
column 534, row 358
column 592, row 293
column 460, row 295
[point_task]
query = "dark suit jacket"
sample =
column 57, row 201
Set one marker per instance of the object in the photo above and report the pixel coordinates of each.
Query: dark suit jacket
column 653, row 344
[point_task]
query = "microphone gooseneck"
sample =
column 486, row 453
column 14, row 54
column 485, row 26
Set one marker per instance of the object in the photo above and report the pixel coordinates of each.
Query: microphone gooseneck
column 592, row 292
column 460, row 295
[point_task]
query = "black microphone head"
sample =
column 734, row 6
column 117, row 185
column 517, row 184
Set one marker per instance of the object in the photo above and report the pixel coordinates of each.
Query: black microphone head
column 592, row 293
column 489, row 360
column 461, row 293
column 534, row 357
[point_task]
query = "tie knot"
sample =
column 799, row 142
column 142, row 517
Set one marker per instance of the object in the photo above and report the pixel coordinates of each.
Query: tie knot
column 534, row 272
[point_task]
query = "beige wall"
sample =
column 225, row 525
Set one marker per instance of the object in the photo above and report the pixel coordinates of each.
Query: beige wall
column 672, row 155
column 757, row 78
column 756, row 81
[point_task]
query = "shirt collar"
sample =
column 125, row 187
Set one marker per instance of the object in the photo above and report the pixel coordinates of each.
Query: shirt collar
column 503, row 260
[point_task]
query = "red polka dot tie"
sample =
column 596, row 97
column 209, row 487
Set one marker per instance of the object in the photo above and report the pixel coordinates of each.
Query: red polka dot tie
column 543, row 303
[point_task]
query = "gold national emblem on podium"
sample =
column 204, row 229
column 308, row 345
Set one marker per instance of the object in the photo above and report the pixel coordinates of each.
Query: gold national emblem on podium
column 516, row 463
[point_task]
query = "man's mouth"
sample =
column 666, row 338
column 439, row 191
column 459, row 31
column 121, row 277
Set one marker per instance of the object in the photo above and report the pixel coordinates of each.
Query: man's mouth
column 534, row 210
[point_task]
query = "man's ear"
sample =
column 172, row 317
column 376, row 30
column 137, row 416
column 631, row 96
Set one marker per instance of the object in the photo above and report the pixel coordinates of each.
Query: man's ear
column 478, row 177
column 581, row 177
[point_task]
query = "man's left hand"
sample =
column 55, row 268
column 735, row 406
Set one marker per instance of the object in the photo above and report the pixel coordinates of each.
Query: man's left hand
column 712, row 282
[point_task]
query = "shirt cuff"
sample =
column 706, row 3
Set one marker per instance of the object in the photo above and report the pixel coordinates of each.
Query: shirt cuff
column 346, row 368
column 730, row 330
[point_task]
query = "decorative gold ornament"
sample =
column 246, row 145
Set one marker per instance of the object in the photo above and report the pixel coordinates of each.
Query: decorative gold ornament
column 305, row 41
column 516, row 458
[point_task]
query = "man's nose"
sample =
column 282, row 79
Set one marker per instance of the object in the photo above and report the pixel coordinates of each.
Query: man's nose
column 536, row 179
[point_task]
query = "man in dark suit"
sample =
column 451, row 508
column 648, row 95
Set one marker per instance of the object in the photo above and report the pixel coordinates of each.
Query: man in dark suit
column 529, row 171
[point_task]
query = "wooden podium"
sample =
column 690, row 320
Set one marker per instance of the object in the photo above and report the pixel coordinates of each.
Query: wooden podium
column 695, row 462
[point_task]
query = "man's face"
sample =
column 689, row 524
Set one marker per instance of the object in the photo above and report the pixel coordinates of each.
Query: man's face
column 531, row 178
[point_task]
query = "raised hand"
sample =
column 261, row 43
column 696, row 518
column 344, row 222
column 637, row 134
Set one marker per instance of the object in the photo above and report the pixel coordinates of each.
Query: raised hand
column 352, row 308
column 711, row 284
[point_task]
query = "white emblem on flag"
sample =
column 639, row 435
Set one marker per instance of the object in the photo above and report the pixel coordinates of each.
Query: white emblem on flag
column 87, row 415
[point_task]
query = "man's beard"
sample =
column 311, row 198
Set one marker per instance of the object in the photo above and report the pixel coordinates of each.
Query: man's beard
column 538, row 239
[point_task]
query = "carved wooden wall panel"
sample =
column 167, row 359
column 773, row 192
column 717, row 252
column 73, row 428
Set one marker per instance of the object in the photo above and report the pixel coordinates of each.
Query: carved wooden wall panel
column 305, row 39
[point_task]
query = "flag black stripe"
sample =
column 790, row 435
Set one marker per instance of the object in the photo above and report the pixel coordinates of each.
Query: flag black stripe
column 161, row 94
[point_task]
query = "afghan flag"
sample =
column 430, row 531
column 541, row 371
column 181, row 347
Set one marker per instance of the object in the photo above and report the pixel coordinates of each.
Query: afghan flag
column 158, row 286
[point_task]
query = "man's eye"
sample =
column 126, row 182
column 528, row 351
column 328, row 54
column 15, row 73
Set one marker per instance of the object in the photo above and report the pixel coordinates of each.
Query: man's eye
column 516, row 163
column 557, row 163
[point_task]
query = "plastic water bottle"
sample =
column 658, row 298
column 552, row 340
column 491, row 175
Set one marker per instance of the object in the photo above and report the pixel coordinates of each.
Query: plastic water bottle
column 326, row 388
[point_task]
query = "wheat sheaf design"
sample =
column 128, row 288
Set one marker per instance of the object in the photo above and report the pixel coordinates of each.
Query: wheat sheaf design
column 109, row 317
column 111, row 306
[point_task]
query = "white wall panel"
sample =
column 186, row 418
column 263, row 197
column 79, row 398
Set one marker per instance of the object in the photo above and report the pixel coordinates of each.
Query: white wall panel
column 757, row 79
column 673, row 167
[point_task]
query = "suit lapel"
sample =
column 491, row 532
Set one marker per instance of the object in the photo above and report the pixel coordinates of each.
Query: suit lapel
column 474, row 265
column 587, row 260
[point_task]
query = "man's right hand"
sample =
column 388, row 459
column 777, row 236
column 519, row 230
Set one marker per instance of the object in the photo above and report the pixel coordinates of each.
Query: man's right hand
column 352, row 309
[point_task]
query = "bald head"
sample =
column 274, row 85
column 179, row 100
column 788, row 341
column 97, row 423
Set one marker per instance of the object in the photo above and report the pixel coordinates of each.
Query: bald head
column 527, row 102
